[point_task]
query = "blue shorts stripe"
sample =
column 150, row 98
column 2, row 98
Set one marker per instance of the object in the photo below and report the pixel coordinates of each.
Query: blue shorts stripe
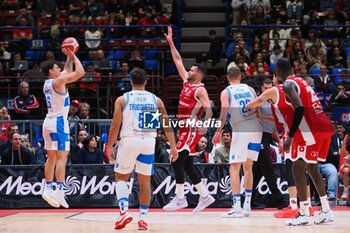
column 66, row 101
column 147, row 159
column 254, row 146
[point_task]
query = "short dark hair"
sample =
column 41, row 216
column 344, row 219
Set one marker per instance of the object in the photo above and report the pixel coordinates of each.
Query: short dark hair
column 276, row 46
column 201, row 68
column 47, row 65
column 284, row 68
column 226, row 130
column 87, row 140
column 212, row 32
column 138, row 76
column 13, row 133
column 234, row 72
column 267, row 81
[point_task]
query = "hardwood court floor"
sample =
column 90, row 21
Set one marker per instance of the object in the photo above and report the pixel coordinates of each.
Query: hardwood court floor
column 102, row 220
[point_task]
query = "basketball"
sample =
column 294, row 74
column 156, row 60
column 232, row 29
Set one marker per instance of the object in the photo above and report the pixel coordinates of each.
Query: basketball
column 71, row 43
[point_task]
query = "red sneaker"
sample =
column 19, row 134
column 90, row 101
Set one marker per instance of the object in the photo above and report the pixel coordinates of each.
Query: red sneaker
column 287, row 213
column 123, row 220
column 142, row 225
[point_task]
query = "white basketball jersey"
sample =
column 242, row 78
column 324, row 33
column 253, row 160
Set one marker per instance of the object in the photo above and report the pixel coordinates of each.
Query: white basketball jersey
column 57, row 103
column 240, row 95
column 138, row 112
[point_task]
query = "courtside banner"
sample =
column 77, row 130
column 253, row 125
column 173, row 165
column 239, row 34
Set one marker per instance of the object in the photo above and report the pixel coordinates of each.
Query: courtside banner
column 93, row 186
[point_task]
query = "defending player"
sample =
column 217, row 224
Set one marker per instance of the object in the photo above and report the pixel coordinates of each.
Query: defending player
column 193, row 101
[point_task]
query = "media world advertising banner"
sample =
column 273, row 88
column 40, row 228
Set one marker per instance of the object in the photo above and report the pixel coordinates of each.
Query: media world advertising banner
column 94, row 186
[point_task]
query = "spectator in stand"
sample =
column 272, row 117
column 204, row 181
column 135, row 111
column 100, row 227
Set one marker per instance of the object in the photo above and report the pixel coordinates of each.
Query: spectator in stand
column 40, row 154
column 222, row 152
column 326, row 4
column 89, row 153
column 326, row 83
column 26, row 142
column 136, row 60
column 241, row 11
column 253, row 66
column 332, row 21
column 92, row 9
column 48, row 6
column 25, row 105
column 73, row 117
column 336, row 143
column 336, row 60
column 11, row 129
column 230, row 48
column 16, row 154
column 314, row 58
column 88, row 86
column 340, row 95
column 84, row 111
column 92, row 36
column 295, row 8
column 76, row 7
column 4, row 126
column 276, row 54
column 23, row 34
column 201, row 155
column 162, row 147
column 148, row 19
column 215, row 50
column 281, row 33
column 82, row 134
column 265, row 4
column 311, row 40
column 24, row 13
column 101, row 61
column 259, row 17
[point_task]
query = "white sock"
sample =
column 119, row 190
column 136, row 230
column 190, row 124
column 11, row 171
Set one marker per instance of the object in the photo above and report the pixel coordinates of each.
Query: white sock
column 143, row 212
column 346, row 189
column 248, row 196
column 293, row 202
column 49, row 185
column 237, row 201
column 309, row 201
column 122, row 196
column 179, row 190
column 305, row 208
column 203, row 192
column 324, row 203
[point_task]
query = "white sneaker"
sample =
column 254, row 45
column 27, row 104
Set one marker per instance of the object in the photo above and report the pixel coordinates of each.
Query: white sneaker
column 299, row 220
column 203, row 203
column 247, row 209
column 176, row 204
column 49, row 198
column 345, row 196
column 233, row 213
column 60, row 198
column 324, row 217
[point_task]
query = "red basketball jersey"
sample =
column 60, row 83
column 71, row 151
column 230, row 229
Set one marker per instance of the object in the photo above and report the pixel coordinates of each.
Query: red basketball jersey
column 189, row 105
column 315, row 124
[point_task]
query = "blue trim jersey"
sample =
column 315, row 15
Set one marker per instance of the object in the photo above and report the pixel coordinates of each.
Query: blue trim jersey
column 140, row 114
column 57, row 103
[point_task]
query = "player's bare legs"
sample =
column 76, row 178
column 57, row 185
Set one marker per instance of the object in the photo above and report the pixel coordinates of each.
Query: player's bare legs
column 236, row 211
column 48, row 194
column 248, row 185
column 61, row 161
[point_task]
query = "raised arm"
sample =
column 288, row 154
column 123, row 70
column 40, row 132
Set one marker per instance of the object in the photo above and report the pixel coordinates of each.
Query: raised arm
column 225, row 100
column 169, row 133
column 68, row 67
column 176, row 55
column 61, row 81
column 291, row 93
column 115, row 126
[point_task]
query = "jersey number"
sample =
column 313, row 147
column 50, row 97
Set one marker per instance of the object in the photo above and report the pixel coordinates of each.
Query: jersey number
column 243, row 103
column 315, row 102
column 48, row 101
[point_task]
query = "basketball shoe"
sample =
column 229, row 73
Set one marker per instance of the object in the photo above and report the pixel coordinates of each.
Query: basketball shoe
column 203, row 203
column 287, row 212
column 142, row 225
column 246, row 209
column 60, row 197
column 324, row 217
column 49, row 198
column 176, row 204
column 234, row 213
column 123, row 220
column 299, row 220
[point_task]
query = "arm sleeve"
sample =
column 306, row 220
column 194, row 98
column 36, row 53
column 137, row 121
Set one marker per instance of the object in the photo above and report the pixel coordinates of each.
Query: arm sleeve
column 298, row 116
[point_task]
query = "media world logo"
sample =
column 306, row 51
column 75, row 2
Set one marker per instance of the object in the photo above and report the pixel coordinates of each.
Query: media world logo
column 153, row 120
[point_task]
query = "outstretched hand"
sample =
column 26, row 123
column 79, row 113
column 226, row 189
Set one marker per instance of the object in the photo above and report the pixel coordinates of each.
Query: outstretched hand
column 69, row 53
column 169, row 36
